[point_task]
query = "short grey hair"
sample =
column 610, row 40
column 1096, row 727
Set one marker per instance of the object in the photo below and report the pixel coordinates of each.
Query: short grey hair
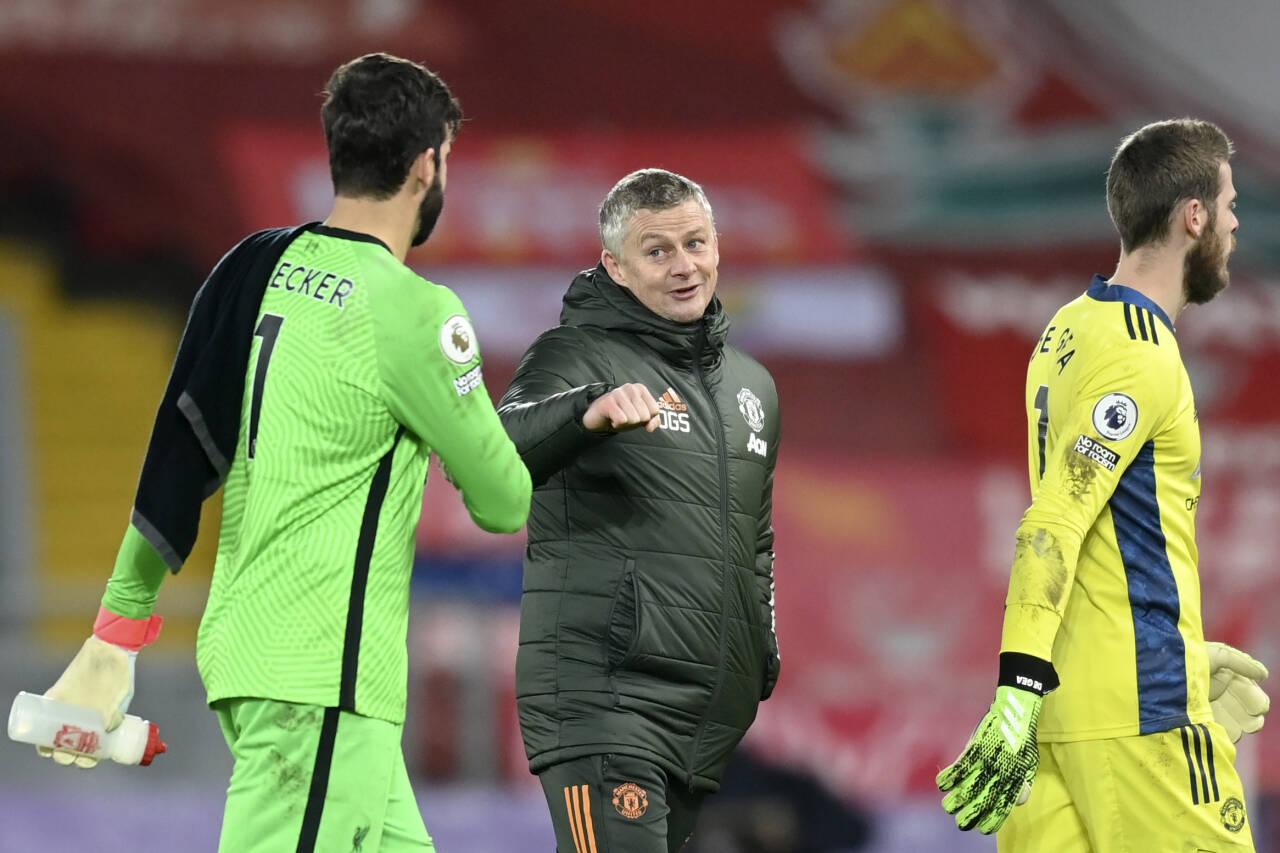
column 645, row 189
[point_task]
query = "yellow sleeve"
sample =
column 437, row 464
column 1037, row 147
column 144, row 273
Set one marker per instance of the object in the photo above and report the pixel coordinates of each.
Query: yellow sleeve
column 1115, row 405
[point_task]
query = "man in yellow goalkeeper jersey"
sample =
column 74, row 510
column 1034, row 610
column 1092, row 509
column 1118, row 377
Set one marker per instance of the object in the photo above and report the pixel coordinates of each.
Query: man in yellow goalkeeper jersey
column 1106, row 686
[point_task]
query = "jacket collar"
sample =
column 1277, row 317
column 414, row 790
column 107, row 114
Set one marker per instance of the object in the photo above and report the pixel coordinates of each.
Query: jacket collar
column 595, row 299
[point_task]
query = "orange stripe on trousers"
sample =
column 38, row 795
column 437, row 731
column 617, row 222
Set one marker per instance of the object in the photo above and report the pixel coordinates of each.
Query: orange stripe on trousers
column 589, row 830
column 573, row 822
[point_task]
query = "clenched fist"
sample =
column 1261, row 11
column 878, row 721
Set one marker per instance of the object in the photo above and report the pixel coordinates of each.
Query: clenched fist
column 626, row 407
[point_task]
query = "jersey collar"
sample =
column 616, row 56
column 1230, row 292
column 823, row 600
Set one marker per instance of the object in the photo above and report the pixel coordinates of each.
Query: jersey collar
column 1103, row 292
column 344, row 234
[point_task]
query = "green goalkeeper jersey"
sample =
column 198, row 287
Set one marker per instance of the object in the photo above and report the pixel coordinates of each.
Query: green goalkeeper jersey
column 359, row 370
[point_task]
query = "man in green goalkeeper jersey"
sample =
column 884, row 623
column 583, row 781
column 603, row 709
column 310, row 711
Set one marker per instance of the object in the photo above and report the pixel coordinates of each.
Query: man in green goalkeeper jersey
column 316, row 375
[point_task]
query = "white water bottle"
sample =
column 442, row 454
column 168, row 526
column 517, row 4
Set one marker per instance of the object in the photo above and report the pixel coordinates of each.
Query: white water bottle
column 47, row 722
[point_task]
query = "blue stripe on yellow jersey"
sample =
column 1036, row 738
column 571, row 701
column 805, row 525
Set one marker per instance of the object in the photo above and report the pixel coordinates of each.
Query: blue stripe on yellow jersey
column 1153, row 594
column 1105, row 581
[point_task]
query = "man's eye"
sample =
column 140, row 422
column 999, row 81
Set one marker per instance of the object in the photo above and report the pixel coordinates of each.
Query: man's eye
column 695, row 244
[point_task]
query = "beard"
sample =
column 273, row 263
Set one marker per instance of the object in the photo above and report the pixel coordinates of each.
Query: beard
column 429, row 211
column 1205, row 269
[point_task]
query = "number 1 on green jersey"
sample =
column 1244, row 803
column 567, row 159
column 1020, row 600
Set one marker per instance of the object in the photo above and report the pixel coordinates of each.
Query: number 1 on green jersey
column 269, row 330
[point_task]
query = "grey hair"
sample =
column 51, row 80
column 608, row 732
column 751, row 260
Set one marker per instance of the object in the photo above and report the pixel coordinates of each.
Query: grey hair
column 645, row 189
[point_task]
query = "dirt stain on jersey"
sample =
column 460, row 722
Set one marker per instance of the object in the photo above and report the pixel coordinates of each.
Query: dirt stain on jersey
column 1042, row 547
column 1078, row 475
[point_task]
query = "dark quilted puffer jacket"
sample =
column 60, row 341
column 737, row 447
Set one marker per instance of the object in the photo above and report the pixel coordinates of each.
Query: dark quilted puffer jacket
column 646, row 624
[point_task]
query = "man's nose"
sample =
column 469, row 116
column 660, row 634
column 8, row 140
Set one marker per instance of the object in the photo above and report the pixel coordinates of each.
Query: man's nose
column 682, row 264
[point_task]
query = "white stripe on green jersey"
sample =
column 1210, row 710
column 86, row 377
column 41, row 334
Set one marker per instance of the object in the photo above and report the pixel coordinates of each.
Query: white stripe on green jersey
column 359, row 370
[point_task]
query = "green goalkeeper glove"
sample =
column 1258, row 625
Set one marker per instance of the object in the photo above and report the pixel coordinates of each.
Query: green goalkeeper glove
column 998, row 766
column 100, row 676
column 1237, row 701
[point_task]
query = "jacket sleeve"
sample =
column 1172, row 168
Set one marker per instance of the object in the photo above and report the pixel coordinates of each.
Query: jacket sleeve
column 555, row 383
column 764, row 584
column 197, row 424
column 433, row 388
column 177, row 475
column 764, row 551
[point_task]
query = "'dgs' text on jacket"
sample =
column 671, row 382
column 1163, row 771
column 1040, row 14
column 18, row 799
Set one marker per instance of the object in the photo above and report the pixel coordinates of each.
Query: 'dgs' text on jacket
column 646, row 624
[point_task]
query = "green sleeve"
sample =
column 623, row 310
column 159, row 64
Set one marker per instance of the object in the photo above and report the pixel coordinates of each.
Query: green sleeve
column 135, row 582
column 429, row 367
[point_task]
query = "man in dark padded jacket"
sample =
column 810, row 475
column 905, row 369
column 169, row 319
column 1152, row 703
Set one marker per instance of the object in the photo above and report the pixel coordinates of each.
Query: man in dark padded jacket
column 646, row 627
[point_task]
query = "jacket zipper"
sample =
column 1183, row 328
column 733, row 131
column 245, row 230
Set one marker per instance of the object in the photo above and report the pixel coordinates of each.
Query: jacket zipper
column 722, row 458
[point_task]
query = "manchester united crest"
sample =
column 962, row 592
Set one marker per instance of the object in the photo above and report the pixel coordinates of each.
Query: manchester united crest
column 1232, row 814
column 752, row 409
column 630, row 800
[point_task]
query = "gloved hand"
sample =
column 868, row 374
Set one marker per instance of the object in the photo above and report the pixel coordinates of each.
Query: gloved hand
column 1237, row 701
column 100, row 676
column 998, row 766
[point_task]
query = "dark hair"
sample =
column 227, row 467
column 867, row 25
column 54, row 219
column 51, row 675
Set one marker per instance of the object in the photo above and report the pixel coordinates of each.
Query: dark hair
column 380, row 112
column 1157, row 168
column 646, row 189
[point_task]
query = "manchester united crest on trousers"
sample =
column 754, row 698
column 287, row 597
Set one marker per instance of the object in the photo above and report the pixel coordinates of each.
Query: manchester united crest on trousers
column 630, row 800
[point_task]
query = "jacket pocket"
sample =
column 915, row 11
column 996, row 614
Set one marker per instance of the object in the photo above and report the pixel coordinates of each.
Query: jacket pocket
column 624, row 620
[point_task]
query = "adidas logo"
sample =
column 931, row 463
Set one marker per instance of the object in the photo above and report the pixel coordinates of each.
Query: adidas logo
column 671, row 401
column 673, row 413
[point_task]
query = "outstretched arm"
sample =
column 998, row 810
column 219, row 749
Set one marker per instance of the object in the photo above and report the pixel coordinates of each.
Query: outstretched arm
column 429, row 364
column 563, row 401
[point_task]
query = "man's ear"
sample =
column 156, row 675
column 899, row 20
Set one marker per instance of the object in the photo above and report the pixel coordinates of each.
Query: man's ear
column 1195, row 216
column 424, row 167
column 612, row 267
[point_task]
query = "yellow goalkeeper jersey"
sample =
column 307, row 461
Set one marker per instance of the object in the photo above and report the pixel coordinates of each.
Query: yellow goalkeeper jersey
column 1105, row 581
